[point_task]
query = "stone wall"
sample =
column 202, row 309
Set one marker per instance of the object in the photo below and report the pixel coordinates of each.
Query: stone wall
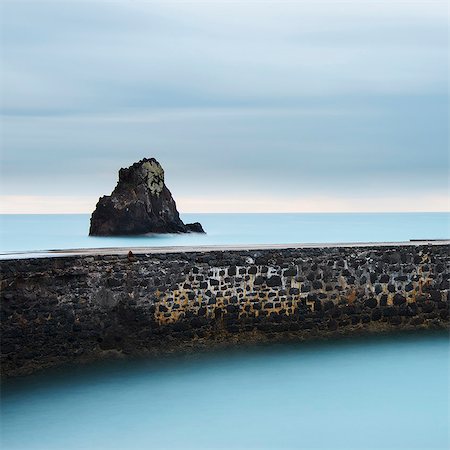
column 55, row 310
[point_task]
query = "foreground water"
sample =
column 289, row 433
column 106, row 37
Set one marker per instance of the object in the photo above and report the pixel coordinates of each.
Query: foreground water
column 390, row 393
column 44, row 232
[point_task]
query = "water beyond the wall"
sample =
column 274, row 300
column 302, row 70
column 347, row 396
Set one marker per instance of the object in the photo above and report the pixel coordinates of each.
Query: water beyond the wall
column 385, row 393
column 44, row 232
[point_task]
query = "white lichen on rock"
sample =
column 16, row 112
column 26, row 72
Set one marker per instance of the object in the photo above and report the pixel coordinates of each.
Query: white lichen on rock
column 155, row 177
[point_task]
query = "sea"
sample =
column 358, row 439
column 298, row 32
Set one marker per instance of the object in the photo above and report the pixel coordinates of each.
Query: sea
column 386, row 393
column 22, row 233
column 381, row 393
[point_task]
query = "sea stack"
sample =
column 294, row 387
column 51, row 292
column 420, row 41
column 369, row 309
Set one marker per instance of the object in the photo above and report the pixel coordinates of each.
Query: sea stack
column 139, row 204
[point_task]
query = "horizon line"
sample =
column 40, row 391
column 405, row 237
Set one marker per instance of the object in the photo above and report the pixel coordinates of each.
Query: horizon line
column 237, row 212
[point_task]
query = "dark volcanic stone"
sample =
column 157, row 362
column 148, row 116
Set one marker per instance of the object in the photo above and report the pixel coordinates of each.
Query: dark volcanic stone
column 395, row 320
column 371, row 302
column 195, row 227
column 399, row 299
column 427, row 307
column 384, row 278
column 291, row 272
column 376, row 314
column 273, row 281
column 139, row 204
column 259, row 280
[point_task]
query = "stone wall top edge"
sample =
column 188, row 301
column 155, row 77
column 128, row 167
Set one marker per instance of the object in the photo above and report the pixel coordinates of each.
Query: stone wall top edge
column 193, row 252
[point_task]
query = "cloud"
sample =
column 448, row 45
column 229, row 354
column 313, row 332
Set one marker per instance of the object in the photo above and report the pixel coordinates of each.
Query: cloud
column 286, row 99
column 99, row 56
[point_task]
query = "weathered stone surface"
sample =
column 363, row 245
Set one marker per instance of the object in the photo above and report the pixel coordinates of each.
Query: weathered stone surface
column 76, row 308
column 140, row 203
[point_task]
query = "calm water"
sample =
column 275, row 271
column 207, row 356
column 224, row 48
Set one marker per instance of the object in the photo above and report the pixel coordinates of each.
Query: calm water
column 383, row 394
column 44, row 232
column 378, row 394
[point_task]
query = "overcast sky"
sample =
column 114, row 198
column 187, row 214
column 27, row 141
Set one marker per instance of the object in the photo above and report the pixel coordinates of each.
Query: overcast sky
column 249, row 106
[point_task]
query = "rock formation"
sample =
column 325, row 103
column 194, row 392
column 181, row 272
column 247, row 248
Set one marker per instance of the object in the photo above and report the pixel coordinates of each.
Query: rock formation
column 139, row 204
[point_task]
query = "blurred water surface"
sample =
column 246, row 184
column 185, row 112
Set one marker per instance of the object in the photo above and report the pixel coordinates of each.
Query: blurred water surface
column 389, row 393
column 44, row 232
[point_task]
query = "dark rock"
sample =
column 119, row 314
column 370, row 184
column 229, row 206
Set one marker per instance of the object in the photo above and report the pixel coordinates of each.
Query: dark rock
column 332, row 325
column 336, row 313
column 139, row 204
column 273, row 281
column 389, row 312
column 405, row 310
column 384, row 278
column 376, row 314
column 427, row 307
column 195, row 227
column 401, row 278
column 328, row 305
column 259, row 280
column 317, row 285
column 435, row 295
column 395, row 320
column 417, row 321
column 399, row 299
column 355, row 320
column 371, row 302
column 291, row 272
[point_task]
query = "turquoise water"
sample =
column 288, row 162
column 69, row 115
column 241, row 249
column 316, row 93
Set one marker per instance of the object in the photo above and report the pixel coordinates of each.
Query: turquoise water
column 390, row 393
column 44, row 232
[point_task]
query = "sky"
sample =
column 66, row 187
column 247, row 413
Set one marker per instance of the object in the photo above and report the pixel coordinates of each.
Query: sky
column 250, row 106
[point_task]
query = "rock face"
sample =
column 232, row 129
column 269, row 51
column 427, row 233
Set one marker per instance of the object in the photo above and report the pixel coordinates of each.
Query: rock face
column 140, row 204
